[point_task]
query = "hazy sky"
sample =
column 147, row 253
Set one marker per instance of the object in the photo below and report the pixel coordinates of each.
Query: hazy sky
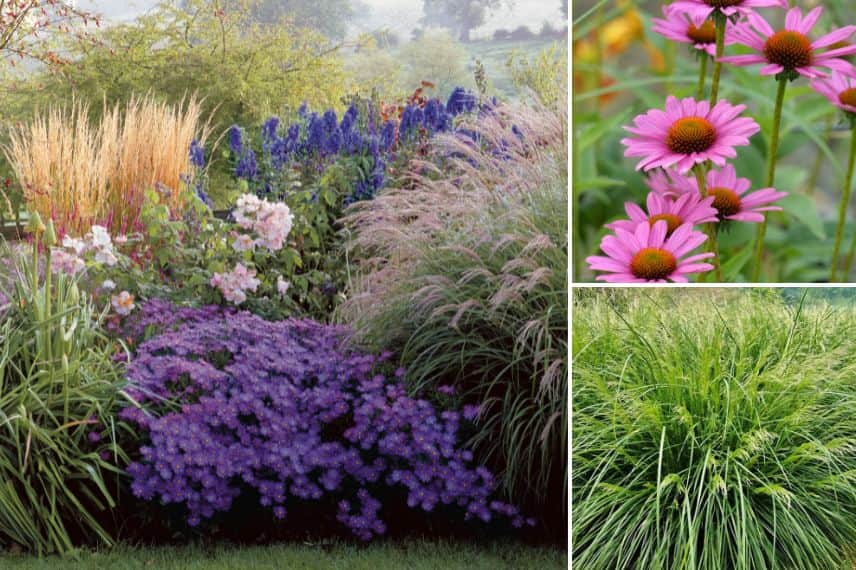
column 401, row 16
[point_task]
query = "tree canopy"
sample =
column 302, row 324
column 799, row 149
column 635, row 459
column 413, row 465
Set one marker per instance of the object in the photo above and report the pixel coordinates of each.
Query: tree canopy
column 241, row 68
column 460, row 16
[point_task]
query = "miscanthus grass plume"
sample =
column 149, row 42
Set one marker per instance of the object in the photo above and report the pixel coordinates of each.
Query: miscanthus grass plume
column 712, row 429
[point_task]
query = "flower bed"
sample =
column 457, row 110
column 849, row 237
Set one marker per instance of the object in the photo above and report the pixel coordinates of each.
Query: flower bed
column 231, row 402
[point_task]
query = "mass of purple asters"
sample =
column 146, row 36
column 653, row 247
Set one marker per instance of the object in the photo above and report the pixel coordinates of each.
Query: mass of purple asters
column 234, row 402
column 318, row 141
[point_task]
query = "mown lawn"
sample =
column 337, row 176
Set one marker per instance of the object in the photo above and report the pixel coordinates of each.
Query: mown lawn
column 412, row 555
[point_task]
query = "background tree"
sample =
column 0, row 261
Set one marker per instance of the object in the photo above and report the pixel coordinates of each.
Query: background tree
column 30, row 31
column 460, row 16
column 243, row 69
column 438, row 58
column 565, row 8
column 329, row 17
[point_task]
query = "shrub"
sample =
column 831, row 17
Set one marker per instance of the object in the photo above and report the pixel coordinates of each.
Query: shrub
column 436, row 57
column 197, row 258
column 59, row 391
column 288, row 410
column 241, row 69
column 712, row 429
column 78, row 174
column 544, row 76
column 465, row 276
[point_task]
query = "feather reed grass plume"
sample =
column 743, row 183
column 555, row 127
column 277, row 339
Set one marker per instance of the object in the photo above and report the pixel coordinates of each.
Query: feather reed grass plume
column 79, row 173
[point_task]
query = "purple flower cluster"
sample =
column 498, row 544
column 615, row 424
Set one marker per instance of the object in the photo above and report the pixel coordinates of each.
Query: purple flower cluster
column 320, row 140
column 158, row 315
column 288, row 409
column 197, row 154
column 461, row 101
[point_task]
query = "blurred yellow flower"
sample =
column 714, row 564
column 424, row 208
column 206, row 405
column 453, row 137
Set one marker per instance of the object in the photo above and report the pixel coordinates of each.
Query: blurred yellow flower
column 614, row 38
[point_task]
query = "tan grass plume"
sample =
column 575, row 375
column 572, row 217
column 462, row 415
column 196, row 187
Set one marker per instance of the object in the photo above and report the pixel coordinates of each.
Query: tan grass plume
column 79, row 173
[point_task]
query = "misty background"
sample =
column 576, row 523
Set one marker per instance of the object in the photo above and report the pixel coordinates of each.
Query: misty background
column 399, row 16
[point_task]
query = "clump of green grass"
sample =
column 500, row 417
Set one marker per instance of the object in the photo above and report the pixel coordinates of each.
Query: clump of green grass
column 712, row 429
column 60, row 390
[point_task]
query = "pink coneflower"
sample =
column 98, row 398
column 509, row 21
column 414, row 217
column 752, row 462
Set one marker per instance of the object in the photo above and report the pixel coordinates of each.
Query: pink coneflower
column 668, row 183
column 704, row 8
column 687, row 209
column 647, row 255
column 839, row 89
column 695, row 29
column 790, row 50
column 731, row 200
column 688, row 132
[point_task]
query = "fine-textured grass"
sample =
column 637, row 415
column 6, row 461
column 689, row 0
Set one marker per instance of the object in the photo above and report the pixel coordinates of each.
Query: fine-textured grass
column 414, row 555
column 712, row 429
column 465, row 275
column 79, row 173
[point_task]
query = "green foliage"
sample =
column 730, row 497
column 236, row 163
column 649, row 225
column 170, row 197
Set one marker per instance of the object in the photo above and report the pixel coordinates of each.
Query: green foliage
column 545, row 75
column 60, row 389
column 178, row 257
column 713, row 428
column 373, row 70
column 412, row 554
column 244, row 70
column 438, row 58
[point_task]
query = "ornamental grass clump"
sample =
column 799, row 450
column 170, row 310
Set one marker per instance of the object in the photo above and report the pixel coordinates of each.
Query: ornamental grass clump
column 60, row 389
column 465, row 277
column 712, row 429
column 235, row 404
column 78, row 173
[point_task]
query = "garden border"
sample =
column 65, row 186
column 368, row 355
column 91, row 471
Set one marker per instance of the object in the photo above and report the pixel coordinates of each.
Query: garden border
column 17, row 231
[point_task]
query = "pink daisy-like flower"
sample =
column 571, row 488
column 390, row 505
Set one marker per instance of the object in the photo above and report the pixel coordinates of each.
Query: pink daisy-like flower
column 731, row 200
column 668, row 183
column 695, row 29
column 790, row 49
column 688, row 132
column 704, row 8
column 647, row 255
column 687, row 209
column 839, row 89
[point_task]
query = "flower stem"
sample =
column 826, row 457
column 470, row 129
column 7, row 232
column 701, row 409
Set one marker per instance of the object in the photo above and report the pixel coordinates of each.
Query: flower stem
column 842, row 207
column 702, row 75
column 709, row 227
column 719, row 21
column 771, row 173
